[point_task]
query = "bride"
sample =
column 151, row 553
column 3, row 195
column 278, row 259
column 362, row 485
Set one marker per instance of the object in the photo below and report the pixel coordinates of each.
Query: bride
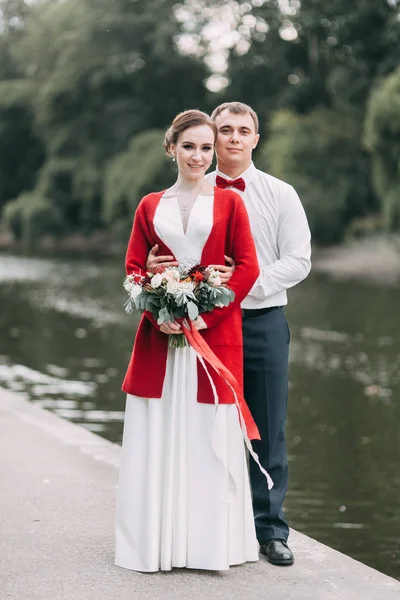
column 183, row 495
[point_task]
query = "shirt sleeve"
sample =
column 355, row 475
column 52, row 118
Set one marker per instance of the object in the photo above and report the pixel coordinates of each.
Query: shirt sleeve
column 246, row 265
column 294, row 247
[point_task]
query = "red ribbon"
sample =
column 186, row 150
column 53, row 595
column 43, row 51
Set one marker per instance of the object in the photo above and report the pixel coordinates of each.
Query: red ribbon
column 201, row 347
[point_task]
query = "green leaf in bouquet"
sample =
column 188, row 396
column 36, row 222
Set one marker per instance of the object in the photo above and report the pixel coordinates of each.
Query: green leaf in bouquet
column 129, row 306
column 152, row 303
column 179, row 312
column 184, row 298
column 193, row 311
column 164, row 316
column 227, row 296
column 155, row 312
column 141, row 302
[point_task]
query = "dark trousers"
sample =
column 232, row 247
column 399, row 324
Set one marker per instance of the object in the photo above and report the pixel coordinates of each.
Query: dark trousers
column 266, row 354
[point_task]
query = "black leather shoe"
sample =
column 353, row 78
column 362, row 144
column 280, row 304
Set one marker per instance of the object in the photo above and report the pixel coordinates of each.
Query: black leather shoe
column 277, row 552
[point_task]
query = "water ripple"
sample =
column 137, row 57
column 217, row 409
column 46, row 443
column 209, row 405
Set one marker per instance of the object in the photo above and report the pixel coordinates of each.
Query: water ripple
column 40, row 384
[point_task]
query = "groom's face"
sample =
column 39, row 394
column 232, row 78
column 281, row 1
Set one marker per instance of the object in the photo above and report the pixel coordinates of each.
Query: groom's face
column 236, row 140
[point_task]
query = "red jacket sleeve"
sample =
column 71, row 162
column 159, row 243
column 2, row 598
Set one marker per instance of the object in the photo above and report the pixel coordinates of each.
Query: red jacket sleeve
column 246, row 271
column 138, row 250
column 139, row 245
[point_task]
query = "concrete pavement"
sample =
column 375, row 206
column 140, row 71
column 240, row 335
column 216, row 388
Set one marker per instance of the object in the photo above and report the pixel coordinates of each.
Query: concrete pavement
column 58, row 487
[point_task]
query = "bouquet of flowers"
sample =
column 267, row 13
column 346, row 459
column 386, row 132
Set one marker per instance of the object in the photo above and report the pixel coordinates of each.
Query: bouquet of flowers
column 174, row 293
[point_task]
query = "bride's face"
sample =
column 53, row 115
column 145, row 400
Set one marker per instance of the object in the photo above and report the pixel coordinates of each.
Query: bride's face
column 194, row 151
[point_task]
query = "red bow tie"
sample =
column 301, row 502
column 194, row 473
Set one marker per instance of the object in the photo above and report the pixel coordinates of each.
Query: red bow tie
column 238, row 183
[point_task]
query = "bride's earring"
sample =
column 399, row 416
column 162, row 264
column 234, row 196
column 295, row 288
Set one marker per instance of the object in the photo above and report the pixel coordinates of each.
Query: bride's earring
column 173, row 159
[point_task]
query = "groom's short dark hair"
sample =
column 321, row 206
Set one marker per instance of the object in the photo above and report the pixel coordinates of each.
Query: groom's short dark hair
column 236, row 108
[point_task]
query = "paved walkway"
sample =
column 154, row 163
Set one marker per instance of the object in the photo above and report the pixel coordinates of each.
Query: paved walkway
column 57, row 497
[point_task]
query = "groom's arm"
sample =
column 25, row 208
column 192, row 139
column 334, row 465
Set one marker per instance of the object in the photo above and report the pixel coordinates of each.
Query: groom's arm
column 153, row 261
column 294, row 247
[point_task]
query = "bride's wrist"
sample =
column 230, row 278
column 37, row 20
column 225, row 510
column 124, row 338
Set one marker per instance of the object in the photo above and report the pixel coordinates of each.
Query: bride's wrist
column 200, row 323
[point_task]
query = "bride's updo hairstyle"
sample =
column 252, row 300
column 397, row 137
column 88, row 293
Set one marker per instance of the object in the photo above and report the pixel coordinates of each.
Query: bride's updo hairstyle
column 183, row 121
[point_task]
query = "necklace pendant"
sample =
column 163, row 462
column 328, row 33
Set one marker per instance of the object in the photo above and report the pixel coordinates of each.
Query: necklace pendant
column 183, row 207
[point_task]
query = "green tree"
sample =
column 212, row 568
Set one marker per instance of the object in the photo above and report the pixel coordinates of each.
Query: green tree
column 31, row 216
column 100, row 72
column 14, row 16
column 142, row 168
column 21, row 152
column 320, row 155
column 382, row 138
column 315, row 52
column 319, row 58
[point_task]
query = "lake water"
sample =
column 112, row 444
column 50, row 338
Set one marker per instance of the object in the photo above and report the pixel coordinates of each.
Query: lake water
column 65, row 342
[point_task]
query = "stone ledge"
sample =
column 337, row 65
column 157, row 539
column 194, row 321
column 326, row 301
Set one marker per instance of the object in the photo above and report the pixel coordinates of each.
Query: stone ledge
column 56, row 517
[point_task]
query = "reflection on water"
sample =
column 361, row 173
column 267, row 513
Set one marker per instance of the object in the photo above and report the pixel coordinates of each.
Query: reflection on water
column 65, row 342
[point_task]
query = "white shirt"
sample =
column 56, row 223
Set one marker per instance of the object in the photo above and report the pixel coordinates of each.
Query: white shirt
column 281, row 235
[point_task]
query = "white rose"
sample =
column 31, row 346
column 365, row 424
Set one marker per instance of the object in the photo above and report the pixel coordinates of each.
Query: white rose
column 135, row 291
column 156, row 280
column 171, row 274
column 217, row 280
column 172, row 287
column 214, row 277
column 128, row 285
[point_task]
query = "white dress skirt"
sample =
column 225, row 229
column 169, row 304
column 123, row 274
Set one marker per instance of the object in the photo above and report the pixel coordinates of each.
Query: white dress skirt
column 183, row 494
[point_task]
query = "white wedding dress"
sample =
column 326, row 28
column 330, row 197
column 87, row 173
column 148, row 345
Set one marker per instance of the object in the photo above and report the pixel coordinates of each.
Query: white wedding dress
column 179, row 504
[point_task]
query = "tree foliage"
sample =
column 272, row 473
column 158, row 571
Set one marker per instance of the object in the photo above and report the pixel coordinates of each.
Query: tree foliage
column 315, row 52
column 87, row 87
column 142, row 168
column 382, row 138
column 320, row 155
column 99, row 73
column 21, row 151
column 31, row 217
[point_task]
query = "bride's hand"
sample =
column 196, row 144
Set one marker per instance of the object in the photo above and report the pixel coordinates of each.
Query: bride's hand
column 171, row 328
column 199, row 323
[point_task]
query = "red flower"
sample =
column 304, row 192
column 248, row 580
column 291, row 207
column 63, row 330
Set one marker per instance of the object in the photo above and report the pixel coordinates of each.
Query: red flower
column 198, row 276
column 159, row 270
column 197, row 269
column 145, row 280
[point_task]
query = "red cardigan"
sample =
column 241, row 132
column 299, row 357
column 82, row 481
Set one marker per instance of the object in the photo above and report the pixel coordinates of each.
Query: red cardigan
column 230, row 235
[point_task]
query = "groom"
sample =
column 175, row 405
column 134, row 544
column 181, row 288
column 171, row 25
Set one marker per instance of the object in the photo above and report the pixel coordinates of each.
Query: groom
column 282, row 239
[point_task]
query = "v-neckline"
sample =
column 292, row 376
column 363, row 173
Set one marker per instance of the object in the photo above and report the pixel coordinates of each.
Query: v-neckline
column 184, row 233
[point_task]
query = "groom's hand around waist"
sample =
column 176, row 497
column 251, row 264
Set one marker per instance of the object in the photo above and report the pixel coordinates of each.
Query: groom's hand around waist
column 154, row 261
column 225, row 270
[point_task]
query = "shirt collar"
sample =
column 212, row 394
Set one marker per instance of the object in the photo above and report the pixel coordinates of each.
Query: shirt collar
column 247, row 175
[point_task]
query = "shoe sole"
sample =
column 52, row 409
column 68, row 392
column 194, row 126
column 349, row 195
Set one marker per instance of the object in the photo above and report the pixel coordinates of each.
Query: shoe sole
column 283, row 563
